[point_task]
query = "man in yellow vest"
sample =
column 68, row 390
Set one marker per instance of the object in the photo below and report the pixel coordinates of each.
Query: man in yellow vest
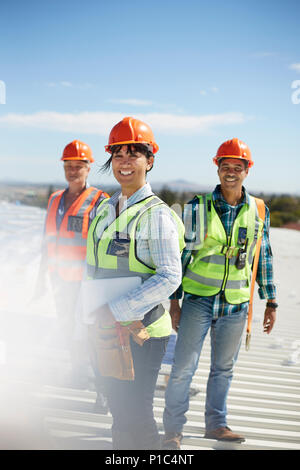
column 223, row 232
column 69, row 215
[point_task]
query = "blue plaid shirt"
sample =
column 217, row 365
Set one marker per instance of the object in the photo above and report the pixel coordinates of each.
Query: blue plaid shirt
column 227, row 215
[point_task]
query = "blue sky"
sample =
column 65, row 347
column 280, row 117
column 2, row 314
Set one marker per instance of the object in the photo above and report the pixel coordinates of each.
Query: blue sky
column 198, row 72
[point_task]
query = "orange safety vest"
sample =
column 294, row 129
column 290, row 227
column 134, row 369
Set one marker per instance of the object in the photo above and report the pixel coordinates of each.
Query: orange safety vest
column 66, row 246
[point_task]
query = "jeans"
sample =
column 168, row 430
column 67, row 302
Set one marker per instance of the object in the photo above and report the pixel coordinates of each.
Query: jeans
column 131, row 402
column 226, row 334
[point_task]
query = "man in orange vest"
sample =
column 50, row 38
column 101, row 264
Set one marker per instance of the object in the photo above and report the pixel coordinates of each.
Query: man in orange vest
column 69, row 215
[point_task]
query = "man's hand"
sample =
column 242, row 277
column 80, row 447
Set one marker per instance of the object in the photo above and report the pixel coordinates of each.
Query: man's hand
column 269, row 319
column 175, row 312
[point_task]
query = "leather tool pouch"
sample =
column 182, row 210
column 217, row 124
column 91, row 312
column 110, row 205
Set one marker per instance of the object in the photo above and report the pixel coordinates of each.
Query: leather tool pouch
column 113, row 358
column 138, row 332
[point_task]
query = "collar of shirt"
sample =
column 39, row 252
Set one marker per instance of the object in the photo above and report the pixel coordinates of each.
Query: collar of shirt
column 218, row 196
column 62, row 200
column 139, row 195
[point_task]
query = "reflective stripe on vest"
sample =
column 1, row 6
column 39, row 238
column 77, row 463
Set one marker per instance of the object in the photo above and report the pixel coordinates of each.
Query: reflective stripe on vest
column 213, row 268
column 67, row 245
column 111, row 252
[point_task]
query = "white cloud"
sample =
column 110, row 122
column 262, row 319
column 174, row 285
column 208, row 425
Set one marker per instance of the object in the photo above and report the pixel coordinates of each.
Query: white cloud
column 212, row 89
column 295, row 67
column 62, row 83
column 193, row 124
column 131, row 102
column 100, row 123
column 67, row 84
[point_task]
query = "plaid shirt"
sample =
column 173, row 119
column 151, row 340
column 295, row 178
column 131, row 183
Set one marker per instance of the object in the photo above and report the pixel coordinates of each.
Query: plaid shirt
column 227, row 215
column 157, row 246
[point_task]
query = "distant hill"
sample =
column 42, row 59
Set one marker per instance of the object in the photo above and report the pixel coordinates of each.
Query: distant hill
column 179, row 185
column 176, row 185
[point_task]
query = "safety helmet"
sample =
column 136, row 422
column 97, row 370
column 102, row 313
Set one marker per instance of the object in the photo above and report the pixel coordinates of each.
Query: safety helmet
column 234, row 148
column 131, row 131
column 78, row 150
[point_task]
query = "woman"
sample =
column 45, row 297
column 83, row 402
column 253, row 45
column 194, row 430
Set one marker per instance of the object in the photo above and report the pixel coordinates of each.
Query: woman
column 69, row 214
column 135, row 234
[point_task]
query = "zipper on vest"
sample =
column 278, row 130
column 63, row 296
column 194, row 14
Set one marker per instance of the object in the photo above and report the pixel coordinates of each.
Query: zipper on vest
column 96, row 248
column 222, row 290
column 96, row 245
column 226, row 273
column 226, row 264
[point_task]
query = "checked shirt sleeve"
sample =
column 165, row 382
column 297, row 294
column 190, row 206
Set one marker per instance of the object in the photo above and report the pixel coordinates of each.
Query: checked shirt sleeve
column 267, row 289
column 190, row 238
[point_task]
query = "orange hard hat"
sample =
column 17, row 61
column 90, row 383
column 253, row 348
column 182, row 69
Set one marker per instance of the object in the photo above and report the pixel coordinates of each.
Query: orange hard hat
column 234, row 148
column 131, row 131
column 77, row 150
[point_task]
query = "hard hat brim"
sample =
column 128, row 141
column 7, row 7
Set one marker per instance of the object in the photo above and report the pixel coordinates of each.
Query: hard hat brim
column 125, row 142
column 85, row 160
column 219, row 157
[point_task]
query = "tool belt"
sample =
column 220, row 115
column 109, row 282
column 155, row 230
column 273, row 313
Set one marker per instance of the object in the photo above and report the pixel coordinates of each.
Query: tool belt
column 113, row 349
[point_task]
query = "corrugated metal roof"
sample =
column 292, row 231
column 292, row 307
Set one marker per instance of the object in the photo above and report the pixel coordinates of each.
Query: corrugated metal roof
column 263, row 402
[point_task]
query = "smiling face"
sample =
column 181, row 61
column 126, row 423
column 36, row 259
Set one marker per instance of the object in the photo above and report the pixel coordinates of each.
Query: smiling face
column 130, row 168
column 76, row 172
column 232, row 172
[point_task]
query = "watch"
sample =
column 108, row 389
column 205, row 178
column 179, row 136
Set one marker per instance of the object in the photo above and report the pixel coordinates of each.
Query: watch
column 272, row 304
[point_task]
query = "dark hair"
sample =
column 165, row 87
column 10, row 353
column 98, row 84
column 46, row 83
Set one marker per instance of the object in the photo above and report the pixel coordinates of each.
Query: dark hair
column 144, row 149
column 246, row 163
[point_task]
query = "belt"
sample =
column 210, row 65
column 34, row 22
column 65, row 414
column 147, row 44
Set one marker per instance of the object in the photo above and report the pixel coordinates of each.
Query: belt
column 153, row 315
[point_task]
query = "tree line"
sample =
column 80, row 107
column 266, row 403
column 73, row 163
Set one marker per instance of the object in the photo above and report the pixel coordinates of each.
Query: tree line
column 284, row 208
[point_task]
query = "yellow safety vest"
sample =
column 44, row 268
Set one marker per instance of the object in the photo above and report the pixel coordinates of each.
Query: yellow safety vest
column 113, row 254
column 213, row 268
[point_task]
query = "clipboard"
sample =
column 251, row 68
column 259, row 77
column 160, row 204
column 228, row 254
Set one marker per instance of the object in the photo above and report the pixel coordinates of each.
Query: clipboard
column 97, row 292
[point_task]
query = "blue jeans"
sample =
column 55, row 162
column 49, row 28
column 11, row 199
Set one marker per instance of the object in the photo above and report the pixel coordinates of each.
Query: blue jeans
column 131, row 402
column 226, row 333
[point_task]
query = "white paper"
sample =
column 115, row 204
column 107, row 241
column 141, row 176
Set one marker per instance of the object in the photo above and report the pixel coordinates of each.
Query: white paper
column 97, row 292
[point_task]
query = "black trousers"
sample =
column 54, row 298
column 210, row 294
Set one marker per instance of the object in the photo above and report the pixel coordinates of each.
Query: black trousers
column 131, row 402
